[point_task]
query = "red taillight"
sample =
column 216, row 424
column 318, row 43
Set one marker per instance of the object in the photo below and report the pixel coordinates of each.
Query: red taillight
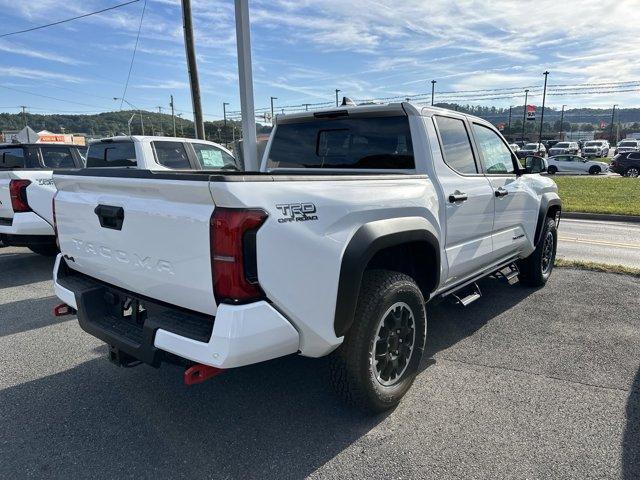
column 233, row 253
column 55, row 222
column 18, row 193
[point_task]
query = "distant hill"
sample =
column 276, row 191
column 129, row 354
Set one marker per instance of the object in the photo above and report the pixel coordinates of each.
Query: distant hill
column 112, row 123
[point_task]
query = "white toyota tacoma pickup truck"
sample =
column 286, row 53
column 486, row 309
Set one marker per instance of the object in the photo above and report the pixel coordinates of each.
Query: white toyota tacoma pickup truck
column 358, row 217
column 26, row 177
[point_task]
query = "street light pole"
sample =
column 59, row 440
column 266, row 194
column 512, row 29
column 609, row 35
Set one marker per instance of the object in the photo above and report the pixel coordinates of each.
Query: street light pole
column 544, row 97
column 524, row 112
column 224, row 114
column 173, row 117
column 272, row 117
column 613, row 113
column 245, row 79
column 562, row 122
column 337, row 92
column 433, row 89
column 509, row 127
column 135, row 108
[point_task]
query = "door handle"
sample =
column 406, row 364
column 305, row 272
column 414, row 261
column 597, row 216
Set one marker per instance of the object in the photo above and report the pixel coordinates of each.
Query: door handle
column 501, row 192
column 458, row 196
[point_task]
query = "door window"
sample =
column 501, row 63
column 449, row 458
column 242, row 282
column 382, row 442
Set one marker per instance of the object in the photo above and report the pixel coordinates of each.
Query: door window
column 496, row 156
column 211, row 156
column 57, row 157
column 456, row 146
column 171, row 155
column 111, row 154
column 12, row 158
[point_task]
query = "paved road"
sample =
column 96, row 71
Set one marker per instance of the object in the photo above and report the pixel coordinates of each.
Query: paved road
column 605, row 242
column 521, row 384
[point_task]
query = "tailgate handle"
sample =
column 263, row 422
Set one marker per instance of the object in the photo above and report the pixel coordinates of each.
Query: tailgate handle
column 110, row 216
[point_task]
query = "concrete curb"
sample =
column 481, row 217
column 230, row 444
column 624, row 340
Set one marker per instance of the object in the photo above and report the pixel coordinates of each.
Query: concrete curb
column 601, row 217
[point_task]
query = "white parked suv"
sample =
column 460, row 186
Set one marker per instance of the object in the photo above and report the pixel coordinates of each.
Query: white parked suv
column 595, row 148
column 358, row 216
column 575, row 164
column 26, row 190
column 563, row 148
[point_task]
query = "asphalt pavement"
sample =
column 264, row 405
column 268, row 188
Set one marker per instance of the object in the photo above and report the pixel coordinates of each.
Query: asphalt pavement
column 523, row 383
column 615, row 243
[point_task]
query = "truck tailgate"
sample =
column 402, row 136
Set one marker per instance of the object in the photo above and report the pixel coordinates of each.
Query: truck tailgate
column 145, row 235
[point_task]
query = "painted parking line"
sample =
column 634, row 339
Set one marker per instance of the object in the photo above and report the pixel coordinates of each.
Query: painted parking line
column 634, row 246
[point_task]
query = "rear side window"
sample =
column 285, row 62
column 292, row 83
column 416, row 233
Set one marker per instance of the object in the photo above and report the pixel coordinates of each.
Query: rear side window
column 111, row 154
column 12, row 158
column 496, row 156
column 366, row 143
column 456, row 145
column 57, row 157
column 211, row 156
column 171, row 154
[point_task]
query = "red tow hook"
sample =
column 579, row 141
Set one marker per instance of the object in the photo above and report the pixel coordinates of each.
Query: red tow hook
column 200, row 373
column 62, row 310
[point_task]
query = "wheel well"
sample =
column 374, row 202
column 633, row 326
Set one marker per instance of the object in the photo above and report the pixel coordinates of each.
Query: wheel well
column 553, row 209
column 417, row 259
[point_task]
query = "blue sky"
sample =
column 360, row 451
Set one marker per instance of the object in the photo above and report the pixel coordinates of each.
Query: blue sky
column 303, row 50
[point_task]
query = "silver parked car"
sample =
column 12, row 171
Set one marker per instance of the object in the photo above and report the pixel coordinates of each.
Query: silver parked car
column 575, row 164
column 561, row 148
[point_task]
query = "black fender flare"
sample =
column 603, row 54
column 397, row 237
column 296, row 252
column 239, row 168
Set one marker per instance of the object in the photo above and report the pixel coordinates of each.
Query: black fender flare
column 369, row 239
column 549, row 200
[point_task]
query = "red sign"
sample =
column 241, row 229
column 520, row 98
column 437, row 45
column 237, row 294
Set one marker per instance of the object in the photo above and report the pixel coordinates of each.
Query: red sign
column 51, row 138
column 531, row 112
column 501, row 126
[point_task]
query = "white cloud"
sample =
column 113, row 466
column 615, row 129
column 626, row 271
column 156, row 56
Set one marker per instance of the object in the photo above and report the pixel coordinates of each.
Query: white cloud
column 37, row 74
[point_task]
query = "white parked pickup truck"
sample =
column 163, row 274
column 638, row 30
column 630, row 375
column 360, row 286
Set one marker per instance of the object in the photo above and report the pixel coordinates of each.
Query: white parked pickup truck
column 26, row 191
column 358, row 216
column 26, row 177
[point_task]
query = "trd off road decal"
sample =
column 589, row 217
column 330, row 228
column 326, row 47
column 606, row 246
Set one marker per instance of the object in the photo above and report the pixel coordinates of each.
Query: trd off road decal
column 44, row 181
column 297, row 212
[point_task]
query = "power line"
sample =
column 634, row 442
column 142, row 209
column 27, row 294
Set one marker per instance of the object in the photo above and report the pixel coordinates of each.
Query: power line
column 68, row 19
column 133, row 57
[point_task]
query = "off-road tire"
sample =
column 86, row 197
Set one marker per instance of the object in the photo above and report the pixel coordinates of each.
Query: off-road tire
column 534, row 271
column 353, row 372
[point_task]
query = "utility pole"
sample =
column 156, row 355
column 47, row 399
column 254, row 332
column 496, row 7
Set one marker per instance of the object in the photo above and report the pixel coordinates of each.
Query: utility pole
column 613, row 113
column 159, row 109
column 337, row 92
column 224, row 115
column 273, row 119
column 173, row 116
column 24, row 114
column 433, row 90
column 245, row 78
column 509, row 127
column 544, row 97
column 193, row 68
column 562, row 122
column 524, row 112
column 181, row 125
column 306, row 107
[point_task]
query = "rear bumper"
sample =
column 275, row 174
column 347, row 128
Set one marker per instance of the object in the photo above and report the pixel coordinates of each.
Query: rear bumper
column 238, row 335
column 26, row 224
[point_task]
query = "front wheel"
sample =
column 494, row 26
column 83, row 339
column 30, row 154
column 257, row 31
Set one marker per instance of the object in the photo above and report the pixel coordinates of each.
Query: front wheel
column 552, row 170
column 536, row 269
column 632, row 172
column 379, row 358
column 594, row 170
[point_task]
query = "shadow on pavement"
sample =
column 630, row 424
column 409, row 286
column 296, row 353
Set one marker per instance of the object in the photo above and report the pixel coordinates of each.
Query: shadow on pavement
column 449, row 323
column 631, row 442
column 29, row 314
column 275, row 420
column 18, row 269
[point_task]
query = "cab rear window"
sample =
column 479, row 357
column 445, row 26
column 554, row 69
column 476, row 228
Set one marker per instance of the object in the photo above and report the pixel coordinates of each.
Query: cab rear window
column 111, row 154
column 359, row 143
column 12, row 158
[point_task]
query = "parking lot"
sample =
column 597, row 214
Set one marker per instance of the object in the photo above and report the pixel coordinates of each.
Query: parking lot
column 521, row 384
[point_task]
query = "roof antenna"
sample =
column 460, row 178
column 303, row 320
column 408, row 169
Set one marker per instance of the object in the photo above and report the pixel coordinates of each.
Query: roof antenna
column 347, row 102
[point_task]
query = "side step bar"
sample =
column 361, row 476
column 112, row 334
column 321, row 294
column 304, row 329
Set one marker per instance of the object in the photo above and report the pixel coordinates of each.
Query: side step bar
column 512, row 272
column 468, row 295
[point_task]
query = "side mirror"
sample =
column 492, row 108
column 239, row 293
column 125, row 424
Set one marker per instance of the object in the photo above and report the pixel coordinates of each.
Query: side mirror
column 535, row 165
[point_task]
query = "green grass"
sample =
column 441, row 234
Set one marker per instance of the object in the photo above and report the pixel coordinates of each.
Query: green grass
column 613, row 195
column 598, row 267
